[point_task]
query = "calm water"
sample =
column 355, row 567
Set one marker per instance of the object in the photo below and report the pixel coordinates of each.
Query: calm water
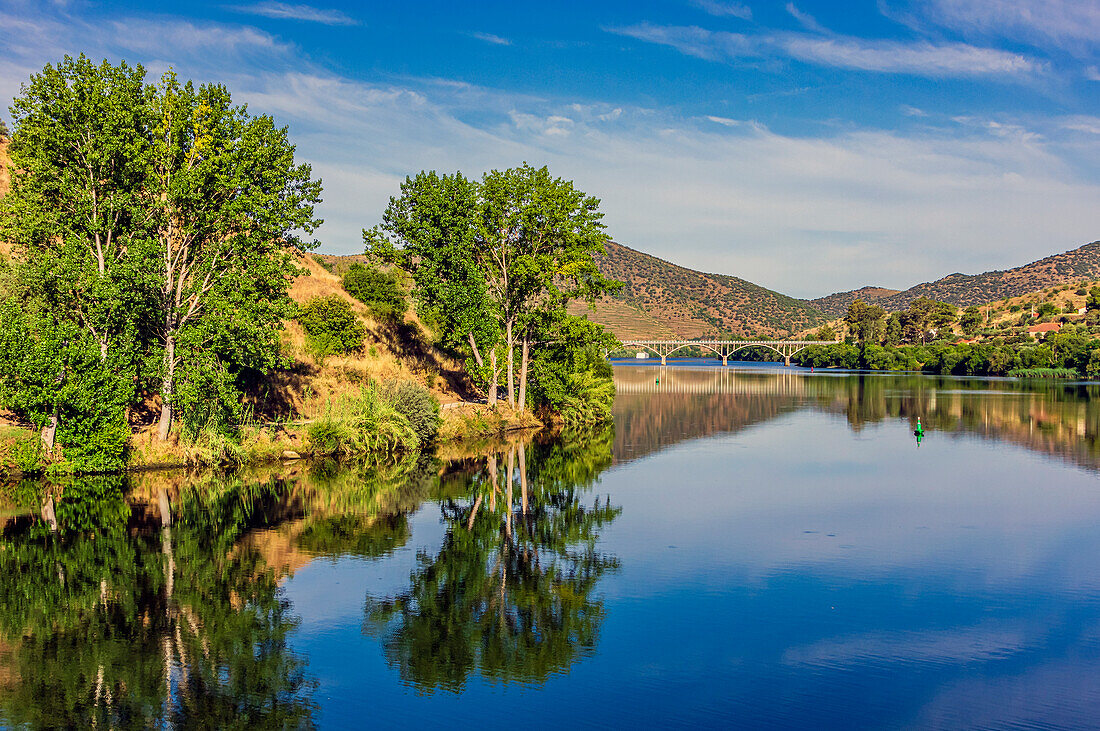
column 751, row 547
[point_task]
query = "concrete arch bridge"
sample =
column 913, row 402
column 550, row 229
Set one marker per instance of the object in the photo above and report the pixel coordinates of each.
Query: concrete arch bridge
column 724, row 348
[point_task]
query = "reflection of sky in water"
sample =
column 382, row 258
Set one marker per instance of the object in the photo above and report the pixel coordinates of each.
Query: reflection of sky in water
column 795, row 573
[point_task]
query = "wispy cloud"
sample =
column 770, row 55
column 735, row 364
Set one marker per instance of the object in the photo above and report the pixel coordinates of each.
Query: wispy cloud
column 695, row 41
column 1073, row 22
column 921, row 58
column 806, row 20
column 288, row 11
column 491, row 38
column 725, row 8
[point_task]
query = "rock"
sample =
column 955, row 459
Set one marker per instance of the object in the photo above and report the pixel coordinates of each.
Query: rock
column 289, row 454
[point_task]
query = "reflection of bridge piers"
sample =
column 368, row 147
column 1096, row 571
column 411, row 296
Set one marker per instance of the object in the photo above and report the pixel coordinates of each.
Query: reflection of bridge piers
column 724, row 348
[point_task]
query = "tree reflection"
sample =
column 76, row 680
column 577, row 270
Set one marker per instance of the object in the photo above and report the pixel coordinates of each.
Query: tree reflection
column 129, row 620
column 511, row 594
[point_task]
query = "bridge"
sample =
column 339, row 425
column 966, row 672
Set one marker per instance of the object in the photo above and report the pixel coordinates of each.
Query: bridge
column 724, row 348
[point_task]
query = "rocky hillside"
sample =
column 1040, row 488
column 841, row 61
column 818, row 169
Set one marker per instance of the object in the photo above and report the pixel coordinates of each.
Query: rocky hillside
column 692, row 304
column 975, row 289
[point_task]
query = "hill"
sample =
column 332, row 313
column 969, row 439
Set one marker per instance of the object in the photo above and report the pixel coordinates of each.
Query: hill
column 975, row 289
column 836, row 305
column 661, row 298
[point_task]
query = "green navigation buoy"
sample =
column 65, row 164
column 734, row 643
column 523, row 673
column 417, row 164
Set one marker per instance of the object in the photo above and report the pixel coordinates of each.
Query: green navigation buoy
column 918, row 432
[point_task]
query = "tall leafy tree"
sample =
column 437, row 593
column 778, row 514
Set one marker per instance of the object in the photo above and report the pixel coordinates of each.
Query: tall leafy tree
column 866, row 322
column 495, row 262
column 228, row 205
column 434, row 222
column 74, row 211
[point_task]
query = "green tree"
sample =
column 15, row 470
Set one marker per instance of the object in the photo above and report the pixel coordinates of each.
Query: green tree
column 227, row 206
column 332, row 325
column 970, row 320
column 496, row 260
column 379, row 291
column 825, row 332
column 865, row 321
column 74, row 211
column 1092, row 302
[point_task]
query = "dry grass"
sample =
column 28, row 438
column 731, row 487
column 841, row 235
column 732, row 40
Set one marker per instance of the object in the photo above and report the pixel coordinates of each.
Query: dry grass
column 401, row 351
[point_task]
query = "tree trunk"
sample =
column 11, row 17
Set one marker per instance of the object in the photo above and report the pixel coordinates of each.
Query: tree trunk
column 166, row 388
column 493, row 481
column 477, row 353
column 511, row 365
column 523, row 375
column 508, row 492
column 523, row 477
column 49, row 432
column 493, row 378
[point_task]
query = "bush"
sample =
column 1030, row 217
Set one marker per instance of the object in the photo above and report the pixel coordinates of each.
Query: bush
column 417, row 405
column 361, row 422
column 332, row 325
column 379, row 291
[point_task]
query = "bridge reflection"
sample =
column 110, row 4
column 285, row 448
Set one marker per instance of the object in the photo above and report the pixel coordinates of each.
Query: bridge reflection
column 690, row 403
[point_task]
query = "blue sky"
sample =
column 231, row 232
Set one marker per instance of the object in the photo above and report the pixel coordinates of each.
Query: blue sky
column 807, row 146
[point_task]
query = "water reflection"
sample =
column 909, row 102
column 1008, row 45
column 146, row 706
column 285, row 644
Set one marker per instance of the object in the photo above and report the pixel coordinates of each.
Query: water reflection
column 158, row 599
column 511, row 594
column 126, row 618
column 1054, row 418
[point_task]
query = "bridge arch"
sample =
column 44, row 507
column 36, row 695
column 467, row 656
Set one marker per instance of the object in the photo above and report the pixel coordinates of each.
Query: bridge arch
column 723, row 348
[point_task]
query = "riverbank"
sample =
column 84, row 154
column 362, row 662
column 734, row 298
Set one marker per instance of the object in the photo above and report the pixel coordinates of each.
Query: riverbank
column 261, row 443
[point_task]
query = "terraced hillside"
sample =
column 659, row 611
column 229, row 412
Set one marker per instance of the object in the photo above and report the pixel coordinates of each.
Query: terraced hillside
column 975, row 289
column 693, row 304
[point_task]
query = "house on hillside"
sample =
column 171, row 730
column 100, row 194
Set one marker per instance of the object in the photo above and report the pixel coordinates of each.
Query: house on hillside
column 1040, row 331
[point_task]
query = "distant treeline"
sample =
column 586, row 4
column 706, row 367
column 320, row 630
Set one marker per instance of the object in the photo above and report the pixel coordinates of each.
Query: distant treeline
column 1070, row 352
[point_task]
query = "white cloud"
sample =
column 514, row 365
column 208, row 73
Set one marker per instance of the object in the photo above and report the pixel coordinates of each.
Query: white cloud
column 724, row 121
column 802, row 214
column 727, row 8
column 1075, row 23
column 1092, row 73
column 920, row 58
column 288, row 11
column 806, row 20
column 695, row 41
column 490, row 38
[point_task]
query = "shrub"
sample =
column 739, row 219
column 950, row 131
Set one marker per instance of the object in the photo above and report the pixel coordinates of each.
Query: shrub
column 332, row 325
column 417, row 405
column 361, row 422
column 379, row 291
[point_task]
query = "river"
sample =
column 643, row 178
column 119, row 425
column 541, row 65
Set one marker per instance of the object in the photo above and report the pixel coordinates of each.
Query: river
column 753, row 546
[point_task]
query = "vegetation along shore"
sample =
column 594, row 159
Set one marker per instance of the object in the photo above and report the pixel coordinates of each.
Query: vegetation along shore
column 160, row 304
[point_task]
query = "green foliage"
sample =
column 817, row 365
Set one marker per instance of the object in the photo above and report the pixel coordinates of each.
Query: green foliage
column 970, row 320
column 825, row 332
column 26, row 454
column 417, row 405
column 1043, row 373
column 865, row 321
column 154, row 229
column 1093, row 301
column 379, row 291
column 332, row 325
column 495, row 262
column 360, row 423
column 1045, row 309
column 570, row 376
column 51, row 371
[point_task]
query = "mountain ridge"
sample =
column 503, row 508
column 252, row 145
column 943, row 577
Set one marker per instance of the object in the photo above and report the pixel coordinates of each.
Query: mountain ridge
column 1076, row 264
